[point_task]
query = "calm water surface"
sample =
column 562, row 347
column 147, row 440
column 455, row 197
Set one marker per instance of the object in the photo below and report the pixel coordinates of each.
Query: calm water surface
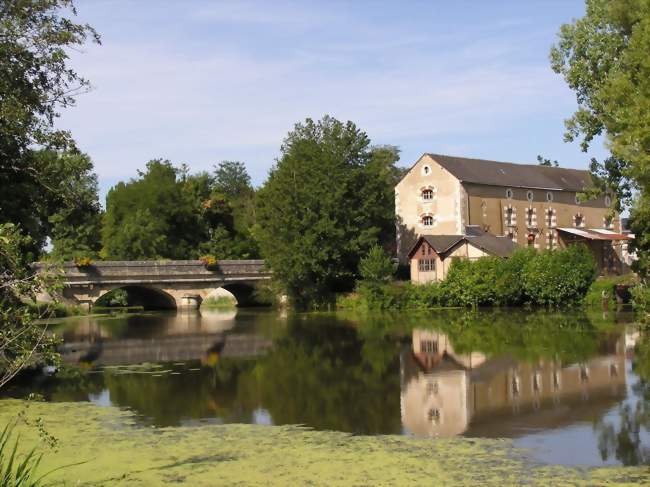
column 569, row 387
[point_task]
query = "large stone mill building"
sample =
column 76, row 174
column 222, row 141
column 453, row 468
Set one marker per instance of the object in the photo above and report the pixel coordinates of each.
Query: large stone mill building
column 530, row 205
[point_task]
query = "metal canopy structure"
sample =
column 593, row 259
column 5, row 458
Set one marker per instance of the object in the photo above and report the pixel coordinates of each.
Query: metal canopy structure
column 595, row 234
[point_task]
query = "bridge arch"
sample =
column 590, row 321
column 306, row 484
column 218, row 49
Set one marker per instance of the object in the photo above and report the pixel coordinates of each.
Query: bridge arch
column 149, row 297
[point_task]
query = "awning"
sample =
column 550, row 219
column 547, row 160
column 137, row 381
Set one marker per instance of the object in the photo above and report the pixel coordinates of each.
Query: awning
column 596, row 234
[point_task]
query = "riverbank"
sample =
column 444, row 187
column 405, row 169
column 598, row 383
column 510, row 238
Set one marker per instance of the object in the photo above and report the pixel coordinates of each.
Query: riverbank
column 116, row 452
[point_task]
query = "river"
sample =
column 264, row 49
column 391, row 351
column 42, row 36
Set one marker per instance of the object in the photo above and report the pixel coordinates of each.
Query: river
column 566, row 386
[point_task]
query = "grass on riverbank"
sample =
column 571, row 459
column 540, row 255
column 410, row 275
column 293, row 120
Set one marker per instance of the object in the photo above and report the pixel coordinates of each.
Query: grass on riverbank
column 117, row 452
column 219, row 302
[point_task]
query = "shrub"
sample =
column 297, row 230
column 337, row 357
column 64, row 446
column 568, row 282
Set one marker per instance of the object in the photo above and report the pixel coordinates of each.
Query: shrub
column 423, row 296
column 376, row 266
column 558, row 278
column 641, row 298
column 472, row 283
column 601, row 288
column 508, row 288
column 550, row 278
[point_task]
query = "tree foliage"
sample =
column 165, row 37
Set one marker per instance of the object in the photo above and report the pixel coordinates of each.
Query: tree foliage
column 35, row 83
column 323, row 207
column 167, row 213
column 603, row 57
column 22, row 341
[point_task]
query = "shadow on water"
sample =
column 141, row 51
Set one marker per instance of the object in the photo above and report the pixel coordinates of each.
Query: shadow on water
column 569, row 386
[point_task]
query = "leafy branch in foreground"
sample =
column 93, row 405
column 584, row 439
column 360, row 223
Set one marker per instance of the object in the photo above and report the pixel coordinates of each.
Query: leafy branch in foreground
column 23, row 340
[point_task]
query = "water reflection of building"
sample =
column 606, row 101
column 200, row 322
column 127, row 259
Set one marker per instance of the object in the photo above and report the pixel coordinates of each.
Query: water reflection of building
column 444, row 393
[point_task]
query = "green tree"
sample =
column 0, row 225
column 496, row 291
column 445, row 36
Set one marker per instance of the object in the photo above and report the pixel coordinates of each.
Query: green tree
column 603, row 57
column 376, row 266
column 75, row 227
column 313, row 221
column 35, row 83
column 232, row 179
column 160, row 214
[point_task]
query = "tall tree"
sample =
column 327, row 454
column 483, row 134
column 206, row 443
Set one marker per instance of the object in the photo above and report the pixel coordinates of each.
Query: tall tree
column 232, row 179
column 35, row 83
column 74, row 225
column 314, row 222
column 603, row 57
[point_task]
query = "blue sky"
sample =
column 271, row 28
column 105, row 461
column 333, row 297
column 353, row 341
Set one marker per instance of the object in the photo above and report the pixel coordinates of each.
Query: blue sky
column 201, row 81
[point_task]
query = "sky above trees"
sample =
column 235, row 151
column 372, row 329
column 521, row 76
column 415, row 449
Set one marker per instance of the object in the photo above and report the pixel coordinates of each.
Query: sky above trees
column 202, row 81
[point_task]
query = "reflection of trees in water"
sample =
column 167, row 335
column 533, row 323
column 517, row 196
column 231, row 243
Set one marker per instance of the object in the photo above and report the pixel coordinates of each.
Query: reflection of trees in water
column 622, row 438
column 322, row 373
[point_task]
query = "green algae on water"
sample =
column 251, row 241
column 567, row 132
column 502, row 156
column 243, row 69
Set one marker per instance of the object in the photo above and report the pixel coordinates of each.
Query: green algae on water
column 116, row 451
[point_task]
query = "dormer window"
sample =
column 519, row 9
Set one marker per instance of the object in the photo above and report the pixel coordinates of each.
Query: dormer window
column 529, row 195
column 509, row 193
column 608, row 200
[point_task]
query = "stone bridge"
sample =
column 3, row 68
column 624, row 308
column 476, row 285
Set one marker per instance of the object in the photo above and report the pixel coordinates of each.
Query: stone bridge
column 159, row 284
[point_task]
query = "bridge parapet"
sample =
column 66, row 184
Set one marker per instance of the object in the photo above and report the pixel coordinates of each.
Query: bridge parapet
column 158, row 271
column 182, row 282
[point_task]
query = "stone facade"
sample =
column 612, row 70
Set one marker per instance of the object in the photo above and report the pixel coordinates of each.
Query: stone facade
column 432, row 200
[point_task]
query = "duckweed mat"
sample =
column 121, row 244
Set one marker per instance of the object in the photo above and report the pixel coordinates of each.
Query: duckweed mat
column 116, row 451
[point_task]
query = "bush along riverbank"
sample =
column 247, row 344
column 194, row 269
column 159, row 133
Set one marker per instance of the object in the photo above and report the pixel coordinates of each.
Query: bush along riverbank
column 528, row 278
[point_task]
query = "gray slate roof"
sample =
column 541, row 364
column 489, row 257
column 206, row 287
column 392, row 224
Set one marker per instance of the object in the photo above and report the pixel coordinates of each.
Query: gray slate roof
column 480, row 171
column 491, row 244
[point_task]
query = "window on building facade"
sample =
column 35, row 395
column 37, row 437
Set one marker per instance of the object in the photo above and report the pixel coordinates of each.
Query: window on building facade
column 427, row 194
column 426, row 170
column 434, row 415
column 429, row 346
column 608, row 200
column 531, row 240
column 578, row 220
column 427, row 265
column 577, row 199
column 529, row 195
column 549, row 196
column 608, row 222
column 427, row 221
column 509, row 193
column 530, row 220
column 510, row 213
column 550, row 221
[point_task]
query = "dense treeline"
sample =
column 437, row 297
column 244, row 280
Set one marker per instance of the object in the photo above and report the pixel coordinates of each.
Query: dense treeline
column 326, row 202
column 167, row 213
column 550, row 278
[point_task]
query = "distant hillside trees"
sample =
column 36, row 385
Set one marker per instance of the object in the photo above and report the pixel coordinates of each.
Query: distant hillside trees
column 327, row 201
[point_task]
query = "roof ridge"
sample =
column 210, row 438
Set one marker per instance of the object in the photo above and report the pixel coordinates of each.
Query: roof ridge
column 519, row 164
